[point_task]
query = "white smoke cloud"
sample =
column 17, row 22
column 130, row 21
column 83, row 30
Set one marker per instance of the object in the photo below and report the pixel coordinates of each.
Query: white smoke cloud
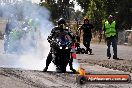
column 15, row 12
column 35, row 1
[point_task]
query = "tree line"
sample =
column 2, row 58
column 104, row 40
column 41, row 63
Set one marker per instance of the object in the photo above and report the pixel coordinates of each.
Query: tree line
column 96, row 10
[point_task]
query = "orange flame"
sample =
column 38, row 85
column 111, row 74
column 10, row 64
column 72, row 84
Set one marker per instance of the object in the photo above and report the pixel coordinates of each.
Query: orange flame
column 81, row 71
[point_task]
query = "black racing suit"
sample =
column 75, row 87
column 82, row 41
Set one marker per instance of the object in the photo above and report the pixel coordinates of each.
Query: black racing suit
column 56, row 32
column 87, row 35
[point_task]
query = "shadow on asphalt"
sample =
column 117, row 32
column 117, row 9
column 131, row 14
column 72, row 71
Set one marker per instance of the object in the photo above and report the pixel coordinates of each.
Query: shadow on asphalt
column 69, row 72
column 120, row 59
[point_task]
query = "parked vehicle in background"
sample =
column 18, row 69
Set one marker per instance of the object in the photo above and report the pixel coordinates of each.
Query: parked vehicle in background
column 128, row 37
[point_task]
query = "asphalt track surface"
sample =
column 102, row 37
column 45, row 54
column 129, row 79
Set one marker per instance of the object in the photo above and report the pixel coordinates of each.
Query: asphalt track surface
column 94, row 64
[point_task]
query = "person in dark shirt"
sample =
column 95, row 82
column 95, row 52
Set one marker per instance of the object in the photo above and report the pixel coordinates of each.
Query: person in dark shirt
column 87, row 34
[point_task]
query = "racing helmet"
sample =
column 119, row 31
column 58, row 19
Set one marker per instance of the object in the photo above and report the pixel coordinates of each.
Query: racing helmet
column 61, row 23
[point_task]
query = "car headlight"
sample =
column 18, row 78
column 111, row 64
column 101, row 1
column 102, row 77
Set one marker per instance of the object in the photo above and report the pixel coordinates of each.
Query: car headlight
column 60, row 47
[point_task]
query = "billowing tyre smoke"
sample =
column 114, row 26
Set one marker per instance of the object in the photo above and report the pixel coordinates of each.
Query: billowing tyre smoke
column 29, row 27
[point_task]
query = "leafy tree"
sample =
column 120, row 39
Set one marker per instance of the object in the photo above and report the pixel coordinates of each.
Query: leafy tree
column 121, row 10
column 124, row 14
column 59, row 8
column 96, row 13
column 96, row 10
column 84, row 4
column 51, row 5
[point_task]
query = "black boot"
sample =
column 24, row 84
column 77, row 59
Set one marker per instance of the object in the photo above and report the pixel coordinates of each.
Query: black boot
column 73, row 70
column 45, row 69
column 115, row 57
column 108, row 55
column 86, row 51
column 48, row 61
column 90, row 51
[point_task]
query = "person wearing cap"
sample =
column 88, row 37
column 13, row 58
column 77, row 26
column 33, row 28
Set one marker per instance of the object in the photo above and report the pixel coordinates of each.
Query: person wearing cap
column 56, row 32
column 110, row 30
column 87, row 34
